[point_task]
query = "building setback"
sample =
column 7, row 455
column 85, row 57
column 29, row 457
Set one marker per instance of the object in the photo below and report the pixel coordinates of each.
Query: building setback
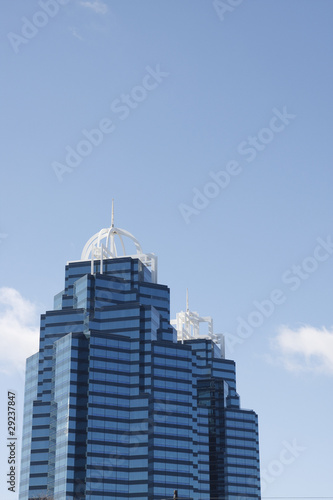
column 117, row 408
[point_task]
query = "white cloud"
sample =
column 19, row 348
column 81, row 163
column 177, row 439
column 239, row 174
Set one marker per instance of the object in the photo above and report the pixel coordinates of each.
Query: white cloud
column 305, row 349
column 97, row 6
column 19, row 330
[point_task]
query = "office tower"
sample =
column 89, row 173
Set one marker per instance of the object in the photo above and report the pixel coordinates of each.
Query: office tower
column 121, row 405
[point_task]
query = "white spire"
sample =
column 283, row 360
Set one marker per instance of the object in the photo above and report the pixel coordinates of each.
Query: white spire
column 188, row 323
column 109, row 243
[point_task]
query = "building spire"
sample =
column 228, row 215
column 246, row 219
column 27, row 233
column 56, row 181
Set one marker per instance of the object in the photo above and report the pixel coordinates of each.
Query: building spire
column 112, row 214
column 187, row 307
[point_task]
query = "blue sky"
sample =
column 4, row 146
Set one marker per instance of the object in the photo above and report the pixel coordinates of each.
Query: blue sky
column 211, row 128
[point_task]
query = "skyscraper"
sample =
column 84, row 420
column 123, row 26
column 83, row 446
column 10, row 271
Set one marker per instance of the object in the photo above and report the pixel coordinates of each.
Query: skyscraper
column 119, row 404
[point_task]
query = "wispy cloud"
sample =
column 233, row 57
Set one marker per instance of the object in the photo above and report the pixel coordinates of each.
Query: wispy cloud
column 97, row 6
column 304, row 349
column 18, row 330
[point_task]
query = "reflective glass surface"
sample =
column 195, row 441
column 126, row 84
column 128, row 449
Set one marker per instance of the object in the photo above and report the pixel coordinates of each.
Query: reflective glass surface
column 116, row 408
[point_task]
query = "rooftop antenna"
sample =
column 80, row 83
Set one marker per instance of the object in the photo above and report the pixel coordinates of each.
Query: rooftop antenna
column 112, row 215
column 187, row 307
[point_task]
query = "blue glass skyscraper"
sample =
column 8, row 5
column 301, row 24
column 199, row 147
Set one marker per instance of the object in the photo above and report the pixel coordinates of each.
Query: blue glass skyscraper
column 116, row 407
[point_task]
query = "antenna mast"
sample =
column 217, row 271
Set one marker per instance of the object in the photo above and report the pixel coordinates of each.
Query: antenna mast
column 112, row 214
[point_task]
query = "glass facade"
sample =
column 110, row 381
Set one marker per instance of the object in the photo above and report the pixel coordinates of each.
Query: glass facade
column 116, row 408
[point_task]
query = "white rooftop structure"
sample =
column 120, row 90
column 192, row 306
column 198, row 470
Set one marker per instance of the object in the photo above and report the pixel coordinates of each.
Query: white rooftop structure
column 188, row 323
column 108, row 243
